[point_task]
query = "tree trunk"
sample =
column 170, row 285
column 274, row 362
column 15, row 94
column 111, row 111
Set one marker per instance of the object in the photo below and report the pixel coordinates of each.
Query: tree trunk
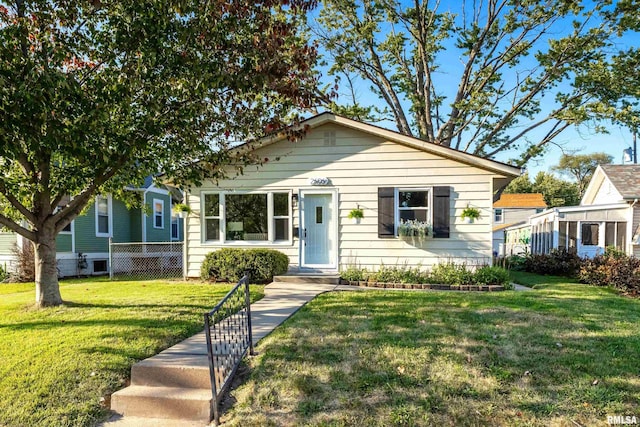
column 47, row 288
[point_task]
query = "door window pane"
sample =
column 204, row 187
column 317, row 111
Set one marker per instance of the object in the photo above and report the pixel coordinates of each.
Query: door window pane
column 318, row 214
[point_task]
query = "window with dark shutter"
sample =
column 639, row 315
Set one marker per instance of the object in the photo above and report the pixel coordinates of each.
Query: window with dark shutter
column 386, row 213
column 441, row 212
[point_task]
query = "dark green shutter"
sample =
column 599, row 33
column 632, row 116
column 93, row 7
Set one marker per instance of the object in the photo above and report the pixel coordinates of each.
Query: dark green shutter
column 441, row 211
column 386, row 213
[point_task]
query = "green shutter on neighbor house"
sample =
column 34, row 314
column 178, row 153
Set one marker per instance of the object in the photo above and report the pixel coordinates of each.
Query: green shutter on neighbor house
column 386, row 214
column 441, row 212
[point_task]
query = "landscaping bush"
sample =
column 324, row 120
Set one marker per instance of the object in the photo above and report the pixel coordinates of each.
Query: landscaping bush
column 512, row 262
column 493, row 276
column 230, row 264
column 559, row 262
column 449, row 273
column 400, row 274
column 612, row 269
column 3, row 274
column 354, row 274
column 25, row 269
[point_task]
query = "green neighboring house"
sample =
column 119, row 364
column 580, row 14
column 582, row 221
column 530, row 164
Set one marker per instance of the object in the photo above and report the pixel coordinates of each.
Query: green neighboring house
column 88, row 235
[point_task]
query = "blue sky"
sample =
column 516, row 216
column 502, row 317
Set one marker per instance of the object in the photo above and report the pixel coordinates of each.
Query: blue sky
column 581, row 140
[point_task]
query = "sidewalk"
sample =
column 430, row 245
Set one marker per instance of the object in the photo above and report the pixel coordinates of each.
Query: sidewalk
column 188, row 358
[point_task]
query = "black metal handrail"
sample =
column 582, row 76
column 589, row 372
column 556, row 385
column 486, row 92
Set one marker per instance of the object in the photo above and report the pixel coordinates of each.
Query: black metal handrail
column 228, row 332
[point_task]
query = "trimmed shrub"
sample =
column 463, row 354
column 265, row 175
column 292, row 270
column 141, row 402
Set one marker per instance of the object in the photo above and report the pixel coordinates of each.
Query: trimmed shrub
column 559, row 262
column 492, row 276
column 230, row 264
column 3, row 274
column 617, row 270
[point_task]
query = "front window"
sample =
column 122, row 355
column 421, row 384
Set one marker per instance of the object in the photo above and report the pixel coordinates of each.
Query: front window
column 414, row 205
column 103, row 212
column 158, row 213
column 497, row 215
column 246, row 217
column 175, row 228
column 590, row 234
column 253, row 217
column 281, row 216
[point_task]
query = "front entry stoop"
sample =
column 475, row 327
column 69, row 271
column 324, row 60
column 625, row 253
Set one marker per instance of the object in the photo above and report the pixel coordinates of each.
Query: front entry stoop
column 325, row 279
column 171, row 385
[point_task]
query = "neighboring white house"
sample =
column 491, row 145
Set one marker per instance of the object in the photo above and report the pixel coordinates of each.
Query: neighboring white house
column 608, row 215
column 509, row 210
column 298, row 201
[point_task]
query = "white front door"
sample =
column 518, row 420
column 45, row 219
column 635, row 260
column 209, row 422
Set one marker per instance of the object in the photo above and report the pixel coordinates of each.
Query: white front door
column 591, row 239
column 317, row 234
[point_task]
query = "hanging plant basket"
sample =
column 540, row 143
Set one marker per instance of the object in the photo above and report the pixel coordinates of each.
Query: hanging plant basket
column 470, row 214
column 356, row 215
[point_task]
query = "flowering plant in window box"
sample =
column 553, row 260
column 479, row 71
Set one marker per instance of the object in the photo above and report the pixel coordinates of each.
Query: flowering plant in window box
column 413, row 228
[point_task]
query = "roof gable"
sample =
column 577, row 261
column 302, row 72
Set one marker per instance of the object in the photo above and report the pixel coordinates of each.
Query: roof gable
column 521, row 200
column 625, row 178
column 499, row 168
column 613, row 183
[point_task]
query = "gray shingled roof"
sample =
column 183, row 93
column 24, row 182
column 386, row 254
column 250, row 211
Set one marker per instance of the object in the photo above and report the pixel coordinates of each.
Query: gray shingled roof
column 626, row 179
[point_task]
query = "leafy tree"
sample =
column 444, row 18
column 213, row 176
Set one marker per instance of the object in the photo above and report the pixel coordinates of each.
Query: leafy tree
column 556, row 192
column 493, row 75
column 581, row 167
column 96, row 95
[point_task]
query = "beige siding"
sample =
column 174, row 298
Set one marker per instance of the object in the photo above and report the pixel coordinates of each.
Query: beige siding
column 513, row 215
column 357, row 166
column 606, row 193
column 635, row 233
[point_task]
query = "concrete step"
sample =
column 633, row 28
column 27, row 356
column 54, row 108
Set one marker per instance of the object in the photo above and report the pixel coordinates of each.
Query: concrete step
column 187, row 371
column 120, row 421
column 189, row 404
column 325, row 279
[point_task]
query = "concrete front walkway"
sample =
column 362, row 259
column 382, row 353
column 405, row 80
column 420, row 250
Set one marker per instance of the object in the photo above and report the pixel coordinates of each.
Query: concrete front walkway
column 188, row 361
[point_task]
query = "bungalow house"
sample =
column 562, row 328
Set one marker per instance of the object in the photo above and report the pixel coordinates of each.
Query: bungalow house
column 509, row 210
column 608, row 215
column 83, row 247
column 299, row 201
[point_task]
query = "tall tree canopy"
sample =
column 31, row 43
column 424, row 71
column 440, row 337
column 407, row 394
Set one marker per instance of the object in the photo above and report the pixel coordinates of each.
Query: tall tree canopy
column 489, row 76
column 95, row 95
column 581, row 167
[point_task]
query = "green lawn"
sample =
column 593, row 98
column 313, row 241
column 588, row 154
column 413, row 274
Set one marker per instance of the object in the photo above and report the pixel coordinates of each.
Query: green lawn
column 57, row 363
column 564, row 354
